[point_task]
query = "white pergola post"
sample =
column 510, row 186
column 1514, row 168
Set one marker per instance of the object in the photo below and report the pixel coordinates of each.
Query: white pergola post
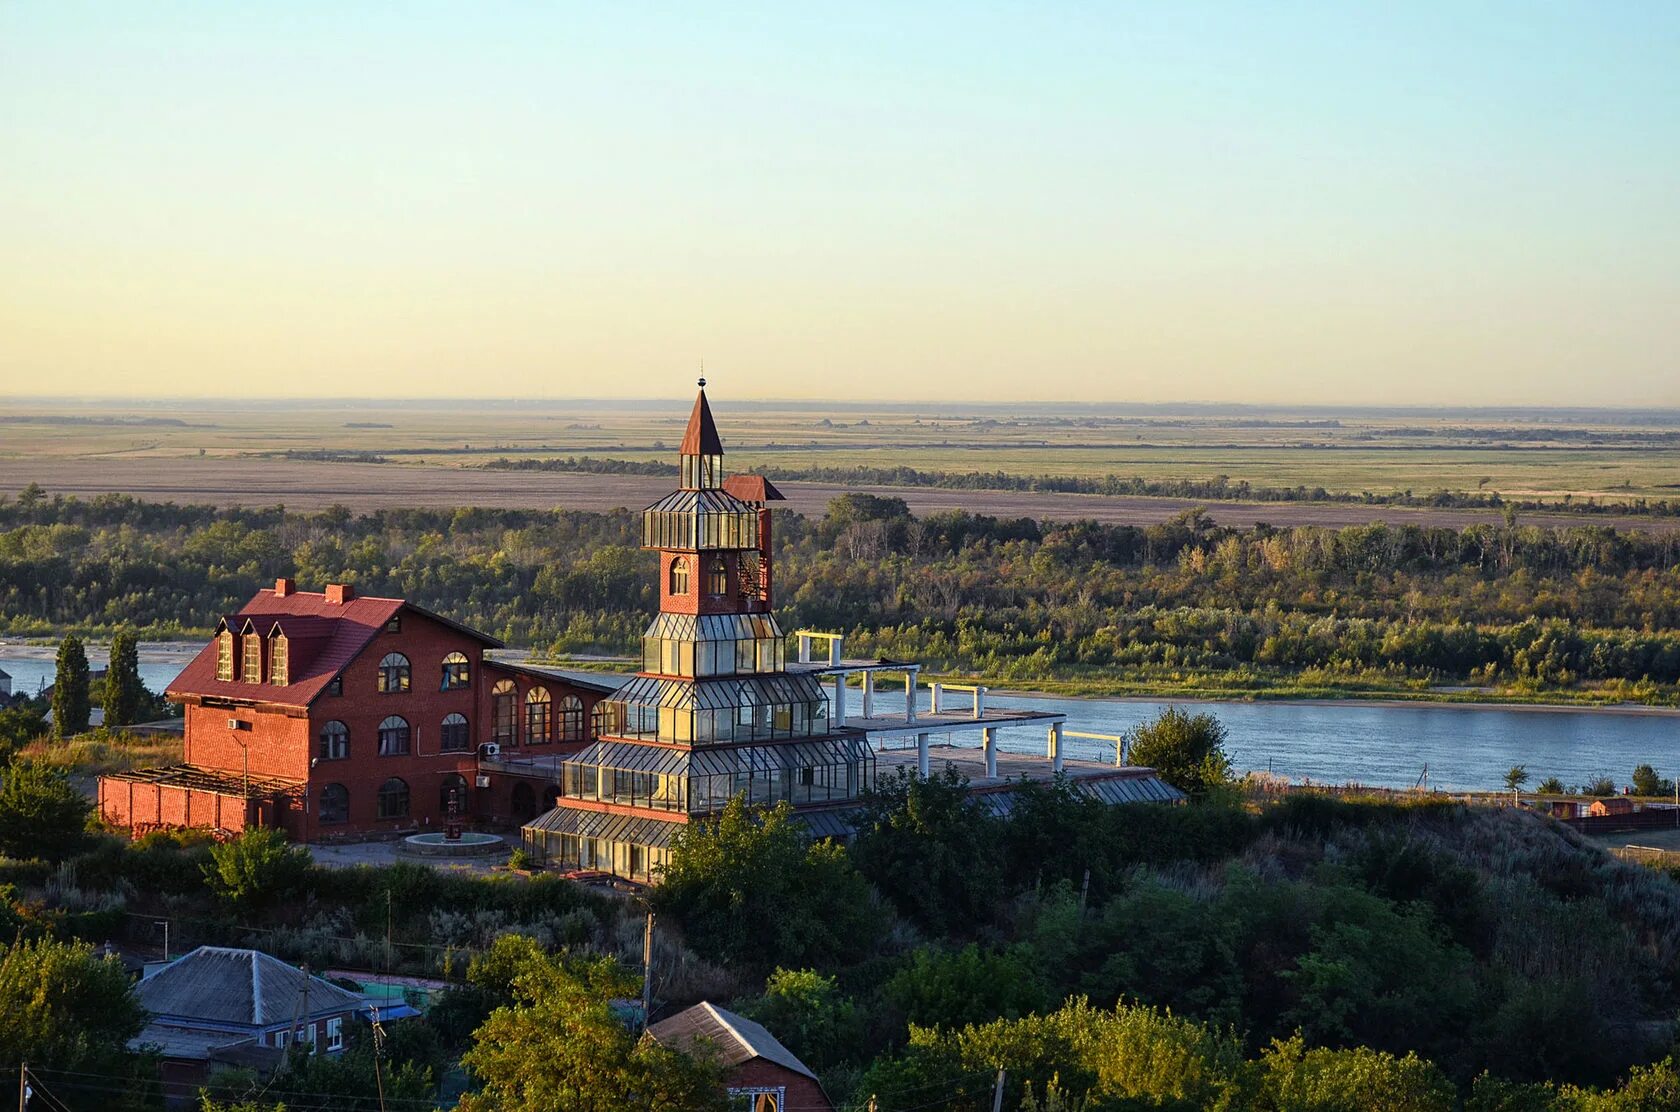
column 834, row 644
column 1055, row 751
column 979, row 700
column 869, row 694
column 804, row 648
column 839, row 700
column 922, row 755
column 937, row 689
column 911, row 675
column 988, row 740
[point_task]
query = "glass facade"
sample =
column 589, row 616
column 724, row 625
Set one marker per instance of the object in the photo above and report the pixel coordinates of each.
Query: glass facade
column 755, row 708
column 699, row 519
column 713, row 645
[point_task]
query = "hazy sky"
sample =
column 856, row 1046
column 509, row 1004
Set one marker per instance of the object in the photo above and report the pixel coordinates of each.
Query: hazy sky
column 1339, row 202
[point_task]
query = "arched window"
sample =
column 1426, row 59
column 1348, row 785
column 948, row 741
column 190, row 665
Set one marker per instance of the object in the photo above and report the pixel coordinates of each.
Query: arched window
column 335, row 741
column 717, row 577
column 454, row 784
column 453, row 735
column 679, row 576
column 252, row 664
column 224, row 656
column 524, row 803
column 504, row 699
column 537, row 706
column 571, row 718
column 457, row 672
column 393, row 736
column 393, row 673
column 393, row 799
column 335, row 804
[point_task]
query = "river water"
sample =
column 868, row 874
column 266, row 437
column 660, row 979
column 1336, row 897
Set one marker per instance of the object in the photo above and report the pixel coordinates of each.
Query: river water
column 1379, row 744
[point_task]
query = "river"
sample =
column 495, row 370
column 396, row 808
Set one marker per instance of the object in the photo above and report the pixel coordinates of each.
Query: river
column 1379, row 744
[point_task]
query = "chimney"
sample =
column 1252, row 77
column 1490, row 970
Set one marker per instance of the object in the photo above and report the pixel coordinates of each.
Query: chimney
column 284, row 587
column 340, row 593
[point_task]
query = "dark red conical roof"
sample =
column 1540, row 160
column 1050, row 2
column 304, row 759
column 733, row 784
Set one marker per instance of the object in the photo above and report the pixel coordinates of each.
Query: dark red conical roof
column 701, row 439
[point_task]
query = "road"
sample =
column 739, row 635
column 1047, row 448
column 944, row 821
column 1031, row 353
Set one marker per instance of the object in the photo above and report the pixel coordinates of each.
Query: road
column 305, row 485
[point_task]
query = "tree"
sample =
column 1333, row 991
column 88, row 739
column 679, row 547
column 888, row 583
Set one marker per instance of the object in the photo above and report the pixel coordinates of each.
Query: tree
column 1296, row 1079
column 41, row 814
column 1551, row 785
column 809, row 1016
column 932, row 849
column 1647, row 782
column 124, row 694
column 750, row 888
column 63, row 1009
column 1599, row 785
column 70, row 689
column 1515, row 779
column 255, row 869
column 560, row 1048
column 1187, row 750
column 19, row 726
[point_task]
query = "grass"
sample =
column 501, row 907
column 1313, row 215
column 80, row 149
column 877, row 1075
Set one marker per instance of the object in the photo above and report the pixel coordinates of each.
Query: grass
column 97, row 754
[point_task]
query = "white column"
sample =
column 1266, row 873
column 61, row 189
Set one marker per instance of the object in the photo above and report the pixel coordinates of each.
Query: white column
column 938, row 689
column 922, row 755
column 1055, row 747
column 910, row 675
column 979, row 700
column 839, row 715
column 804, row 648
column 988, row 739
column 834, row 644
column 869, row 694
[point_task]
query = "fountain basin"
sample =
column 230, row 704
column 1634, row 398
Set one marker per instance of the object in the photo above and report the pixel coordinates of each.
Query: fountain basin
column 470, row 844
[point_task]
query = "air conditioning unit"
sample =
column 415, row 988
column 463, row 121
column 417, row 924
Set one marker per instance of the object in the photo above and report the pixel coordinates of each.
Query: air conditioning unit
column 483, row 781
column 238, row 724
column 490, row 749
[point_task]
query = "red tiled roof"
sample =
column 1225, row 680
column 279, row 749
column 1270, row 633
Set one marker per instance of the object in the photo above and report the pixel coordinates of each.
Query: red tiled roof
column 328, row 637
column 752, row 488
column 701, row 439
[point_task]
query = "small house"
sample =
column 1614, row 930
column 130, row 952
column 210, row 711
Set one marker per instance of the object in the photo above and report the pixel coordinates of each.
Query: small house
column 1615, row 805
column 217, row 1005
column 760, row 1073
column 5, row 684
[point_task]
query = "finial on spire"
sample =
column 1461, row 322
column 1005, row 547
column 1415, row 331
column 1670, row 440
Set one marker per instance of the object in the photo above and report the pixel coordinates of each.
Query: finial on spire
column 702, row 374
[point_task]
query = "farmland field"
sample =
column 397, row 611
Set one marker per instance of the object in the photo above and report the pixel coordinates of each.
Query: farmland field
column 433, row 454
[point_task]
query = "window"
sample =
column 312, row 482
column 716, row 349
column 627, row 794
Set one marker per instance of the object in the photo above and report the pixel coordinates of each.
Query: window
column 335, row 1034
column 277, row 665
column 758, row 1099
column 717, row 577
column 571, row 718
column 306, row 1034
column 393, row 799
column 393, row 736
column 457, row 672
column 393, row 673
column 504, row 697
column 453, row 734
column 224, row 656
column 252, row 664
column 336, row 686
column 537, row 717
column 394, row 625
column 281, row 1038
column 335, row 741
column 335, row 804
column 679, row 576
column 453, row 790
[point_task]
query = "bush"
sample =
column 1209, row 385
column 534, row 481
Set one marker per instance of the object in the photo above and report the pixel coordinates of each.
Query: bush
column 41, row 814
column 521, row 859
column 255, row 869
column 1187, row 750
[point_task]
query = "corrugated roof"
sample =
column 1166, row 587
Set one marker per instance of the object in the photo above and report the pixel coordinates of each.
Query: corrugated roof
column 334, row 633
column 701, row 437
column 753, row 488
column 216, row 984
column 736, row 1039
column 603, row 682
column 190, row 1043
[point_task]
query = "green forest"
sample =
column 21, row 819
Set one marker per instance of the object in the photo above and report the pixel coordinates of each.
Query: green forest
column 1518, row 611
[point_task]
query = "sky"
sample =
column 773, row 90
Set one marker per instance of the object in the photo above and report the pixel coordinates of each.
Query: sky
column 1410, row 203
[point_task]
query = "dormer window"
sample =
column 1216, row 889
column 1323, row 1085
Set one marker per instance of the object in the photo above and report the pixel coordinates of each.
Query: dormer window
column 394, row 625
column 251, row 666
column 278, row 664
column 224, row 656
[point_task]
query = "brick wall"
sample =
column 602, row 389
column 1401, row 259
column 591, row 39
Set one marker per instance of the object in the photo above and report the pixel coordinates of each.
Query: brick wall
column 802, row 1092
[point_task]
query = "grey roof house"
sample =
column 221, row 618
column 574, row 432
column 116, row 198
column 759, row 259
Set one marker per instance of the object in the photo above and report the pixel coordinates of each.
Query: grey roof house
column 237, row 1007
column 760, row 1074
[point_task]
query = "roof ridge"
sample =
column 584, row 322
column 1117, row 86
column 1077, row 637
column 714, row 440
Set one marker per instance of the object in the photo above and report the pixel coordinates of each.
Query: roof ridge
column 719, row 1014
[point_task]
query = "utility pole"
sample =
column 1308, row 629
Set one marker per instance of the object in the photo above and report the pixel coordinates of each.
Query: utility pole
column 23, row 1087
column 378, row 1049
column 164, row 923
column 387, row 930
column 647, row 970
column 997, row 1093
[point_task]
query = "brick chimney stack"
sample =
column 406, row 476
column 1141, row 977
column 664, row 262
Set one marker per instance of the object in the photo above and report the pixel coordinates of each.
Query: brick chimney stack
column 284, row 587
column 340, row 593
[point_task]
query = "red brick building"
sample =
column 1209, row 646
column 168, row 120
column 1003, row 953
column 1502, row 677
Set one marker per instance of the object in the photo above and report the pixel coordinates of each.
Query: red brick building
column 760, row 1074
column 333, row 715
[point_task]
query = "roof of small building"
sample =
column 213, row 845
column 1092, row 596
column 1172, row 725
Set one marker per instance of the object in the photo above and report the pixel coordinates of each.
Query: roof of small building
column 701, row 438
column 327, row 635
column 736, row 1038
column 753, row 488
column 604, row 683
column 244, row 988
